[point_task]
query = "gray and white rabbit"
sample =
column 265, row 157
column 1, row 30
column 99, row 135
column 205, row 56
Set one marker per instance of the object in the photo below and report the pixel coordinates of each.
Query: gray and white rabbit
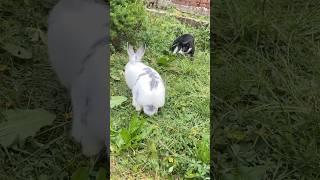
column 78, row 51
column 148, row 90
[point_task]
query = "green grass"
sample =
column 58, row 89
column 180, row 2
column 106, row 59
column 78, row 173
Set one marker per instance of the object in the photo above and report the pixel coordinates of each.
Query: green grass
column 29, row 84
column 175, row 142
column 266, row 89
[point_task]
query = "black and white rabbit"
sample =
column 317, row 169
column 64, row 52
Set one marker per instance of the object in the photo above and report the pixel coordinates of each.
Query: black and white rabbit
column 146, row 84
column 184, row 45
column 78, row 51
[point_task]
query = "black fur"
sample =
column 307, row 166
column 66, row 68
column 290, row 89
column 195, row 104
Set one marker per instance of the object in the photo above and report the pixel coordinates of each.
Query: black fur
column 184, row 42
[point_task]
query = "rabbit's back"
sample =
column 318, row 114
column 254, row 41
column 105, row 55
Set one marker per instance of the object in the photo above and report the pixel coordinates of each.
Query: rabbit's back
column 75, row 28
column 150, row 90
column 132, row 72
column 78, row 52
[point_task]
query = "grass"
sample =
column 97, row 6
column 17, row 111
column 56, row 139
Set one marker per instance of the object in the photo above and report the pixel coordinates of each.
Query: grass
column 31, row 83
column 266, row 89
column 174, row 143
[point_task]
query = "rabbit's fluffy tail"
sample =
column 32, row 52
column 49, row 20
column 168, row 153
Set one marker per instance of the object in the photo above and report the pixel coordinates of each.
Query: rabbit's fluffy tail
column 150, row 110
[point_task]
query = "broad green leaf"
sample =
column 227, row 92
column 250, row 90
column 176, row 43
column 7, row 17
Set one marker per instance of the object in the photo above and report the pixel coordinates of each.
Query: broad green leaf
column 119, row 141
column 117, row 100
column 125, row 135
column 203, row 151
column 81, row 173
column 135, row 124
column 163, row 61
column 17, row 51
column 146, row 131
column 21, row 124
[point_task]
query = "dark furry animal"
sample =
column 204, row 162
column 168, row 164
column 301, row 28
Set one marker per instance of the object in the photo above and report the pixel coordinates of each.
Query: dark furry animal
column 183, row 45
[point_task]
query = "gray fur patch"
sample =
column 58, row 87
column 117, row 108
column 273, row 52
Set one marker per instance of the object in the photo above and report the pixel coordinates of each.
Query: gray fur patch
column 150, row 108
column 154, row 78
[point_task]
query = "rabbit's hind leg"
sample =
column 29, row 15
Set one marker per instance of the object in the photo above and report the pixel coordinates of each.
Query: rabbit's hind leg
column 91, row 145
column 135, row 96
column 97, row 118
column 136, row 105
column 138, row 108
column 79, row 109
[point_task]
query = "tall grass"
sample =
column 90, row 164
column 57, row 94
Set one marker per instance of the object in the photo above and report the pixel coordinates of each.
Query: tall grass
column 266, row 79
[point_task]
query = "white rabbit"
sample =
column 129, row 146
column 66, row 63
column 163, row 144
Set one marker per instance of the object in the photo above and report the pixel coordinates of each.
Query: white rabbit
column 78, row 51
column 148, row 90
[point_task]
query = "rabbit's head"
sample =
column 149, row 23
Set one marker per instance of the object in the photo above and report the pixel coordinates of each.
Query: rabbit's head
column 135, row 56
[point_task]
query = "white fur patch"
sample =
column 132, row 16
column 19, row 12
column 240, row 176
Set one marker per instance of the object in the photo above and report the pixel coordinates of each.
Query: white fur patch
column 175, row 50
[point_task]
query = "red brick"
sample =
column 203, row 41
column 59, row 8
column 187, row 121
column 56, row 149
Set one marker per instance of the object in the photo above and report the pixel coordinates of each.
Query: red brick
column 194, row 4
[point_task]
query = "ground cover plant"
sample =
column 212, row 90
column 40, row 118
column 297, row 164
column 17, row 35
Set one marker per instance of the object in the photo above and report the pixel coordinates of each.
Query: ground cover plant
column 266, row 79
column 174, row 143
column 33, row 104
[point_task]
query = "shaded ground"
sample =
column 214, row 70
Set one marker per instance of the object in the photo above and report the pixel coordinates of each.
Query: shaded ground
column 266, row 79
column 31, row 83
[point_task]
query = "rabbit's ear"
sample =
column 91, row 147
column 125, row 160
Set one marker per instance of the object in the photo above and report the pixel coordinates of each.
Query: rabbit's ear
column 130, row 50
column 140, row 52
